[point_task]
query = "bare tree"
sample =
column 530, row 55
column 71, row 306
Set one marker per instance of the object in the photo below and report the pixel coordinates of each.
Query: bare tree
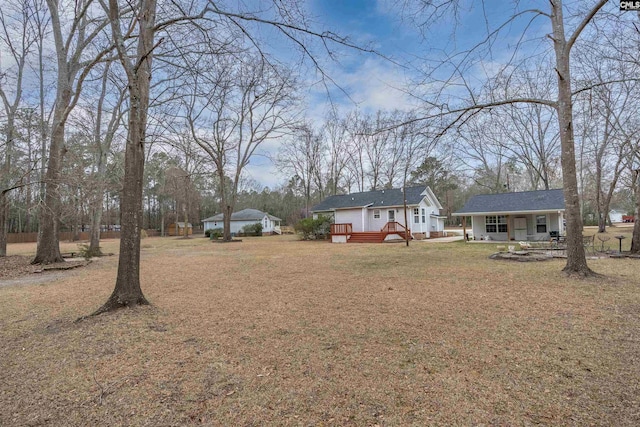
column 17, row 38
column 233, row 110
column 137, row 67
column 336, row 135
column 529, row 131
column 300, row 157
column 73, row 65
column 484, row 154
column 356, row 149
column 103, row 133
column 563, row 42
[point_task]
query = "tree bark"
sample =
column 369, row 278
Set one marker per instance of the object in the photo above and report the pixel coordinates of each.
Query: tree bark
column 4, row 210
column 127, row 290
column 48, row 250
column 576, row 259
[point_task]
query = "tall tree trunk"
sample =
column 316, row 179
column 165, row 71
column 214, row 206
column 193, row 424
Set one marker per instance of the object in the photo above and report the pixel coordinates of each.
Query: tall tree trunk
column 48, row 250
column 4, row 223
column 576, row 259
column 6, row 183
column 127, row 290
column 226, row 223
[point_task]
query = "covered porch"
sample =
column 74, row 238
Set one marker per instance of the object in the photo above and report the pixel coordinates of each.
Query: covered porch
column 515, row 226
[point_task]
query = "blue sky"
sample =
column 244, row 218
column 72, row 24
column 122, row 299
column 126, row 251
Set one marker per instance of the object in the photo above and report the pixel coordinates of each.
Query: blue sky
column 373, row 82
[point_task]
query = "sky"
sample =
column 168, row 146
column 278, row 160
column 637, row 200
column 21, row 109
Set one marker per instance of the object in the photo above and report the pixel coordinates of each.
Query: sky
column 367, row 81
column 371, row 81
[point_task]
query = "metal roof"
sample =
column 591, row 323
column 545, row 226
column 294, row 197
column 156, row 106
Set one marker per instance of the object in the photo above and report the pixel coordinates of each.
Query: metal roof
column 524, row 201
column 243, row 215
column 374, row 199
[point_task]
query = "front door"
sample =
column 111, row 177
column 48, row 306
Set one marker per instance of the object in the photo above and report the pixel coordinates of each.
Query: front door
column 391, row 215
column 520, row 228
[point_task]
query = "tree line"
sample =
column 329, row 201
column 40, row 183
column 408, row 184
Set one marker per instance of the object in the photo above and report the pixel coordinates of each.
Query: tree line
column 142, row 113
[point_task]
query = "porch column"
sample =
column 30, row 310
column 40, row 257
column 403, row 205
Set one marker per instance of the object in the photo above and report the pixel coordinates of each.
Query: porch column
column 464, row 227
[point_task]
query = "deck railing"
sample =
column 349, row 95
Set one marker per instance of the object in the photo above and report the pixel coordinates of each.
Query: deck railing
column 341, row 229
column 393, row 227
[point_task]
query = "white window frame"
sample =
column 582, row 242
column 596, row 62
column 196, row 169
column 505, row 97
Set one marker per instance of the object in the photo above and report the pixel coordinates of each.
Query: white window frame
column 497, row 223
column 416, row 215
column 424, row 216
column 490, row 224
column 541, row 224
column 376, row 214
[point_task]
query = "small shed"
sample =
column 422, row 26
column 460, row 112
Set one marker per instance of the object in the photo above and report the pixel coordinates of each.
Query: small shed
column 270, row 223
column 616, row 215
column 177, row 229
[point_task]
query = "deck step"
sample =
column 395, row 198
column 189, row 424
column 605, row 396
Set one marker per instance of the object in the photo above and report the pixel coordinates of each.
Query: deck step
column 366, row 237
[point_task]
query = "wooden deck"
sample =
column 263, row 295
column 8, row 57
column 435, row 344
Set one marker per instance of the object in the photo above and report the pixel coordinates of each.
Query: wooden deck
column 369, row 236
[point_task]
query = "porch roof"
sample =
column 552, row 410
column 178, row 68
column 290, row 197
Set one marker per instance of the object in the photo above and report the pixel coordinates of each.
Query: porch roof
column 514, row 203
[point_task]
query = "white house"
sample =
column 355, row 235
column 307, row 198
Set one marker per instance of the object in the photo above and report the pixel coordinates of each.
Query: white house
column 521, row 216
column 370, row 213
column 270, row 223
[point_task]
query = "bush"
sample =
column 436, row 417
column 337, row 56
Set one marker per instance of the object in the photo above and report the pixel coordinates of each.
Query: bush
column 87, row 253
column 252, row 229
column 143, row 234
column 314, row 228
column 214, row 233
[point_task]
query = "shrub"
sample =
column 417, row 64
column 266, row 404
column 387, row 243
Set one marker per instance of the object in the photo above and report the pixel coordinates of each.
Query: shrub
column 87, row 253
column 314, row 228
column 214, row 233
column 143, row 234
column 252, row 229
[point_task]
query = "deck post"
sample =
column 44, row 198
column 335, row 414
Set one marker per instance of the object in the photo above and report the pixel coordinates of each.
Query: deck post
column 406, row 224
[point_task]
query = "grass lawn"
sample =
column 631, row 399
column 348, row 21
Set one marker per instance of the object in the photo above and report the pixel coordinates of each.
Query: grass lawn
column 274, row 331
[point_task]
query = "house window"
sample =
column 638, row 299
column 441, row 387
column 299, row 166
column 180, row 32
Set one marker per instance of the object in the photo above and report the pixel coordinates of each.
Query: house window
column 541, row 223
column 424, row 215
column 376, row 213
column 502, row 224
column 416, row 215
column 266, row 223
column 495, row 224
column 391, row 215
column 490, row 224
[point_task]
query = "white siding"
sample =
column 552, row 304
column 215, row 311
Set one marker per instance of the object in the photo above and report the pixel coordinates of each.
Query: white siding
column 376, row 224
column 236, row 226
column 553, row 223
column 350, row 216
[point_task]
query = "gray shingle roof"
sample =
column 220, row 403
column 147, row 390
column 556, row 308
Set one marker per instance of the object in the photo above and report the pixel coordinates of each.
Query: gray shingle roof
column 243, row 215
column 376, row 198
column 540, row 200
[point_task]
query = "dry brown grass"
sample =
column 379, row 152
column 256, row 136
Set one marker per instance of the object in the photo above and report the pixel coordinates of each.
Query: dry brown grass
column 274, row 331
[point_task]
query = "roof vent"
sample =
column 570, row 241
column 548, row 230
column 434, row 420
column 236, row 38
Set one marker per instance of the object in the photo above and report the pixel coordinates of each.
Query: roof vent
column 352, row 198
column 382, row 191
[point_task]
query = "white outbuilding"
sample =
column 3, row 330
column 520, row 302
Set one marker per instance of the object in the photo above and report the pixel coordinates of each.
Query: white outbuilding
column 270, row 223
